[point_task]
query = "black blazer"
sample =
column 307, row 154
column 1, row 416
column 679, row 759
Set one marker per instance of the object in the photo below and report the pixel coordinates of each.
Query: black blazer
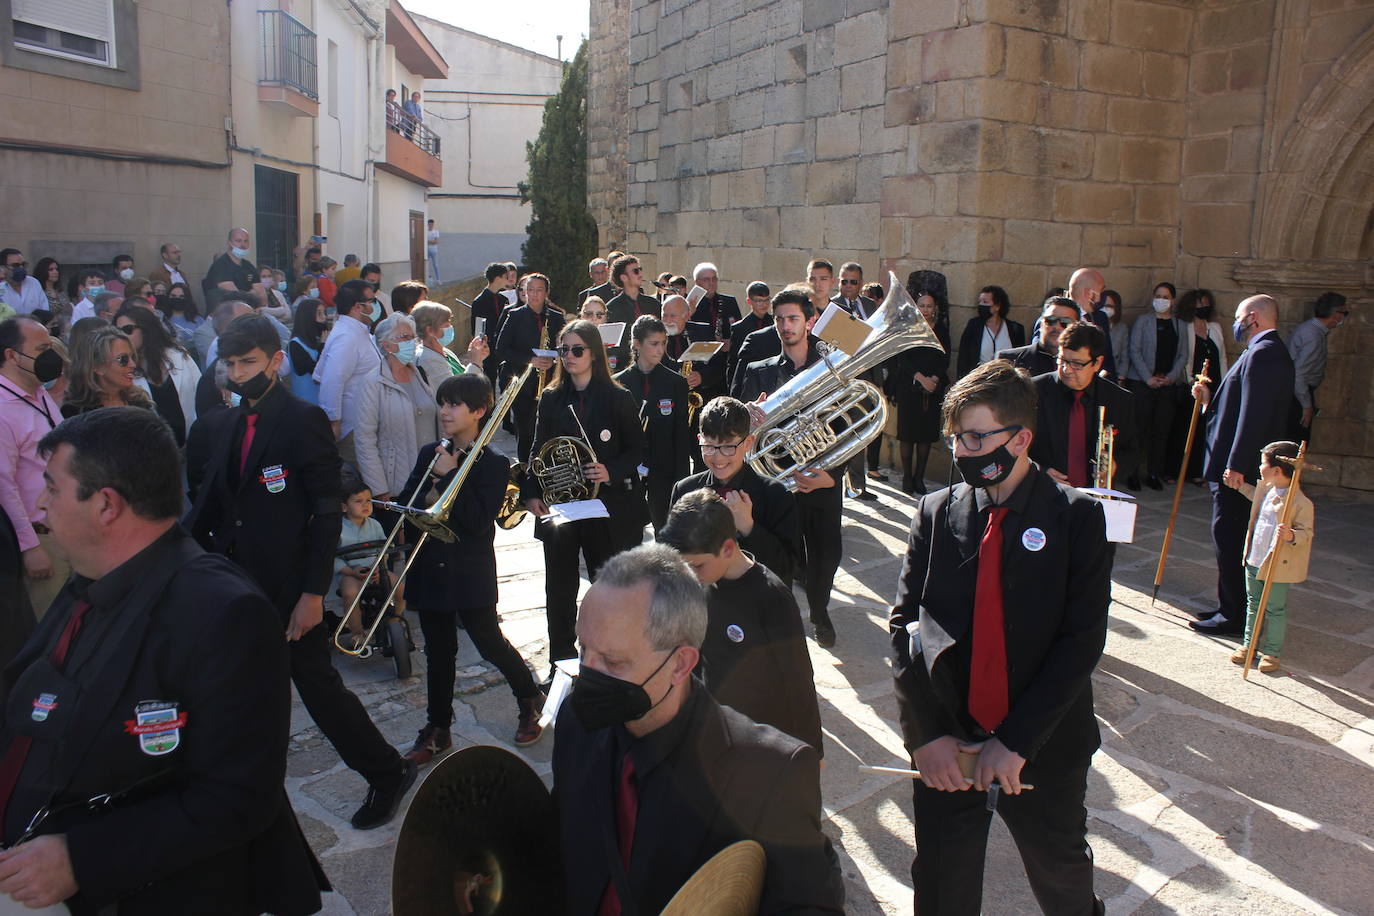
column 605, row 292
column 662, row 405
column 738, row 331
column 461, row 574
column 1050, row 447
column 718, row 313
column 281, row 521
column 519, row 336
column 712, row 371
column 1249, row 409
column 611, row 419
column 211, row 829
column 1031, row 358
column 724, row 779
column 16, row 611
column 971, row 343
column 776, row 539
column 757, row 345
column 869, row 306
column 621, row 307
column 1055, row 605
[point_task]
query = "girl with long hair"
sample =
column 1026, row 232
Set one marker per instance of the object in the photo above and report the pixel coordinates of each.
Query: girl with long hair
column 169, row 372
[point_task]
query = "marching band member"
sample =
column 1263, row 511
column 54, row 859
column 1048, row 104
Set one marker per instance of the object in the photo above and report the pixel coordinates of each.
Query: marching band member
column 534, row 325
column 662, row 397
column 582, row 396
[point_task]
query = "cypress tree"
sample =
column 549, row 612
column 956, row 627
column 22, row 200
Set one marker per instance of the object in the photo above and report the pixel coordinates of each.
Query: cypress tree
column 562, row 234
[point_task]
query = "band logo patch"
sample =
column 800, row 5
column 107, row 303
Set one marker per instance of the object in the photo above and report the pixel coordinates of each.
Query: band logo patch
column 43, row 705
column 1033, row 539
column 734, row 633
column 665, row 406
column 274, row 478
column 157, row 725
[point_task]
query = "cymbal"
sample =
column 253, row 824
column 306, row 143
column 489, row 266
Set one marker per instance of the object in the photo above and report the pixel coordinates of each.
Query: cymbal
column 479, row 838
column 729, row 884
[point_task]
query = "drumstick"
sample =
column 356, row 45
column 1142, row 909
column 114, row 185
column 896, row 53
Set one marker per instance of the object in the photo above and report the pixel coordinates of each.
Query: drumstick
column 909, row 774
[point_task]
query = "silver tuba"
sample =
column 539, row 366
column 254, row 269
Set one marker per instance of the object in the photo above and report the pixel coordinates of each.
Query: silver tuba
column 826, row 414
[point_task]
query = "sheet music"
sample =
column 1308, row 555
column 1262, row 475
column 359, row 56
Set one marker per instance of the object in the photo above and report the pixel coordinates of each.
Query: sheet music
column 612, row 332
column 577, row 510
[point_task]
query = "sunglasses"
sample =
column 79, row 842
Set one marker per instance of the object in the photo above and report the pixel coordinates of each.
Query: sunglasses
column 123, row 360
column 574, row 350
column 595, row 314
column 1052, row 321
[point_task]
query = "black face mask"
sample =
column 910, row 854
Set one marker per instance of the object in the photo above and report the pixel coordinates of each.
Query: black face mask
column 987, row 470
column 984, row 312
column 601, row 701
column 1204, row 312
column 46, row 366
column 253, row 389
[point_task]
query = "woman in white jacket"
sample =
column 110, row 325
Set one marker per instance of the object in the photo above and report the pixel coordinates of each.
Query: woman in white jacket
column 397, row 413
column 167, row 372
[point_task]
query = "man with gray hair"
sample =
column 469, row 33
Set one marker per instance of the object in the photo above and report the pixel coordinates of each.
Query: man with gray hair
column 600, row 272
column 715, row 310
column 645, row 742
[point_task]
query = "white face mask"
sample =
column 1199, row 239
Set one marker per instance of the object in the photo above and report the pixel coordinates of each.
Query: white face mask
column 1110, row 310
column 126, row 274
column 239, row 252
column 1161, row 305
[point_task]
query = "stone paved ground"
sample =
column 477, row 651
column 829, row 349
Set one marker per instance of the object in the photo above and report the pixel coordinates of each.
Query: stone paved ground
column 1210, row 795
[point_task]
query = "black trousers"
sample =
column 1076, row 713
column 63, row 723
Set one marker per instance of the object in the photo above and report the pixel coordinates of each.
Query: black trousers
column 1230, row 523
column 338, row 713
column 660, row 491
column 1157, row 413
column 524, row 410
column 820, row 527
column 594, row 541
column 441, row 649
column 1049, row 824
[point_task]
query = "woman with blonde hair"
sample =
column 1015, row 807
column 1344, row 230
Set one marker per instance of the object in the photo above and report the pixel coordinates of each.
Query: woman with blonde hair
column 103, row 373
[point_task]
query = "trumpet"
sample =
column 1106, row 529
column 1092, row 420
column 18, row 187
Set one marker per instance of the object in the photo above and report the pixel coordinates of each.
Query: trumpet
column 694, row 401
column 430, row 521
column 1103, row 461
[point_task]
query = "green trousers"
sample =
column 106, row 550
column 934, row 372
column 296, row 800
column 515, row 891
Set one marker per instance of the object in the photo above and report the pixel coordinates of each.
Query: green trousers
column 1275, row 612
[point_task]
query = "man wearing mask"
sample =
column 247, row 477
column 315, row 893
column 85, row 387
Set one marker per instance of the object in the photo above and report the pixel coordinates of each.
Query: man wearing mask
column 20, row 293
column 169, row 271
column 371, row 274
column 232, row 270
column 121, row 272
column 1248, row 411
column 1308, row 346
column 27, row 414
column 1085, row 289
column 349, row 356
column 1009, row 551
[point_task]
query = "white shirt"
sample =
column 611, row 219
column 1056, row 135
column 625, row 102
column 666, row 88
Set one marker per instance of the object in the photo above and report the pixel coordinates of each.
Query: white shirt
column 349, row 356
column 994, row 345
column 28, row 297
column 174, row 273
column 1266, row 527
column 432, row 238
column 83, row 309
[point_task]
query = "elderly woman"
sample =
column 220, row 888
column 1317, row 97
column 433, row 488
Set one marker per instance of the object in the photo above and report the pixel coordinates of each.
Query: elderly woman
column 397, row 412
column 102, row 374
column 169, row 374
column 434, row 326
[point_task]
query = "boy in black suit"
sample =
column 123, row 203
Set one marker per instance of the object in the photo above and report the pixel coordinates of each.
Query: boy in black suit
column 270, row 500
column 662, row 397
column 754, row 658
column 1000, row 619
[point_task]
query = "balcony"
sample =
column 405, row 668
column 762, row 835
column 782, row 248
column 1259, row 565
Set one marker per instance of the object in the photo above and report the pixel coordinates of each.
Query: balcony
column 412, row 149
column 288, row 77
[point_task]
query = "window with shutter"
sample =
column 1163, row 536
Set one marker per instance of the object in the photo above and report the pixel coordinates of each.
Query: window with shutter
column 78, row 29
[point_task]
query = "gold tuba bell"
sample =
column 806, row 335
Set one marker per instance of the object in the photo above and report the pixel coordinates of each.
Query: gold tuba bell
column 825, row 414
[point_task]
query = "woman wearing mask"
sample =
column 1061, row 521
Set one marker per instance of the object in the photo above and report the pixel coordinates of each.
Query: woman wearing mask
column 397, row 412
column 918, row 383
column 434, row 326
column 49, row 274
column 990, row 331
column 303, row 352
column 1157, row 375
column 103, row 373
column 139, row 287
column 169, row 374
column 181, row 310
column 277, row 307
column 1206, row 344
column 1121, row 331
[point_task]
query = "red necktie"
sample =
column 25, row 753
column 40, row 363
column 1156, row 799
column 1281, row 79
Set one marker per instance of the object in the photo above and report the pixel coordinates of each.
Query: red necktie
column 13, row 763
column 252, row 421
column 1078, row 442
column 626, row 811
column 987, row 682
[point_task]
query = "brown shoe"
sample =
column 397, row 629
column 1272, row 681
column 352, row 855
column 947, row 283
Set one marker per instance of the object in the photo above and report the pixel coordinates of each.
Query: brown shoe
column 528, row 730
column 1238, row 656
column 1269, row 664
column 431, row 741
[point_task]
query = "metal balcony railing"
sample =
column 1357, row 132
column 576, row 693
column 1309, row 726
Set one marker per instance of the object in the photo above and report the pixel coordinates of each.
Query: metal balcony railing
column 412, row 128
column 288, row 53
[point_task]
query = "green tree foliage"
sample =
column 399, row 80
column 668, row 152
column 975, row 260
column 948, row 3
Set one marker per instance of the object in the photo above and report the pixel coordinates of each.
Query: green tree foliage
column 562, row 233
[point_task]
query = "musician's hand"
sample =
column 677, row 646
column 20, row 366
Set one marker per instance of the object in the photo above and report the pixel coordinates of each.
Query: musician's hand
column 997, row 763
column 1233, row 479
column 445, row 462
column 755, row 409
column 938, row 762
column 542, row 363
column 1058, row 477
column 478, row 351
column 37, row 563
column 596, row 472
column 305, row 616
column 812, row 479
column 1308, row 414
column 694, row 379
column 537, row 507
column 38, row 873
column 742, row 508
column 1202, row 393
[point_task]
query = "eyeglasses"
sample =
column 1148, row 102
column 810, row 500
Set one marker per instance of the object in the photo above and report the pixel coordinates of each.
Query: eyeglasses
column 727, row 450
column 1075, row 364
column 973, row 442
column 1053, row 321
column 635, row 270
column 123, row 360
column 127, row 328
column 574, row 350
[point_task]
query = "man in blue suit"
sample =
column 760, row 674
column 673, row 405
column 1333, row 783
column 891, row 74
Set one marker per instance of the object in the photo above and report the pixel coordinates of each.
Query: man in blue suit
column 1249, row 410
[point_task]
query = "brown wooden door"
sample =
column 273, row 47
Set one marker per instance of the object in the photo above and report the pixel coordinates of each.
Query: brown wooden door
column 417, row 246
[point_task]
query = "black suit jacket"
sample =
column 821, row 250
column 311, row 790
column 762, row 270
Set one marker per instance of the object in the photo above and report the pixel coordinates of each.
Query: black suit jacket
column 662, row 400
column 718, row 313
column 723, row 779
column 621, row 307
column 1050, row 447
column 868, row 305
column 738, row 332
column 971, row 343
column 281, row 521
column 757, row 345
column 712, row 371
column 519, row 337
column 1249, row 409
column 776, row 539
column 1055, row 605
column 1031, row 358
column 605, row 292
column 211, row 829
column 461, row 574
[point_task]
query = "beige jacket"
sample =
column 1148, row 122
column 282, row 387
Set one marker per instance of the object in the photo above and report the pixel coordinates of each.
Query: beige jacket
column 1292, row 559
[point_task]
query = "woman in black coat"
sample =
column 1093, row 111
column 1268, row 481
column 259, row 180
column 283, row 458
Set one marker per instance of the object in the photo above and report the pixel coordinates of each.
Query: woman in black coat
column 918, row 385
column 990, row 331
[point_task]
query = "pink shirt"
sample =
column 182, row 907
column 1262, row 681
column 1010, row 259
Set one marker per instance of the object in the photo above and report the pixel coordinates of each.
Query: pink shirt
column 24, row 421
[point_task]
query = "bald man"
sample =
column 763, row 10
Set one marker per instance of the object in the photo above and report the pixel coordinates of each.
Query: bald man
column 1085, row 289
column 1248, row 411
